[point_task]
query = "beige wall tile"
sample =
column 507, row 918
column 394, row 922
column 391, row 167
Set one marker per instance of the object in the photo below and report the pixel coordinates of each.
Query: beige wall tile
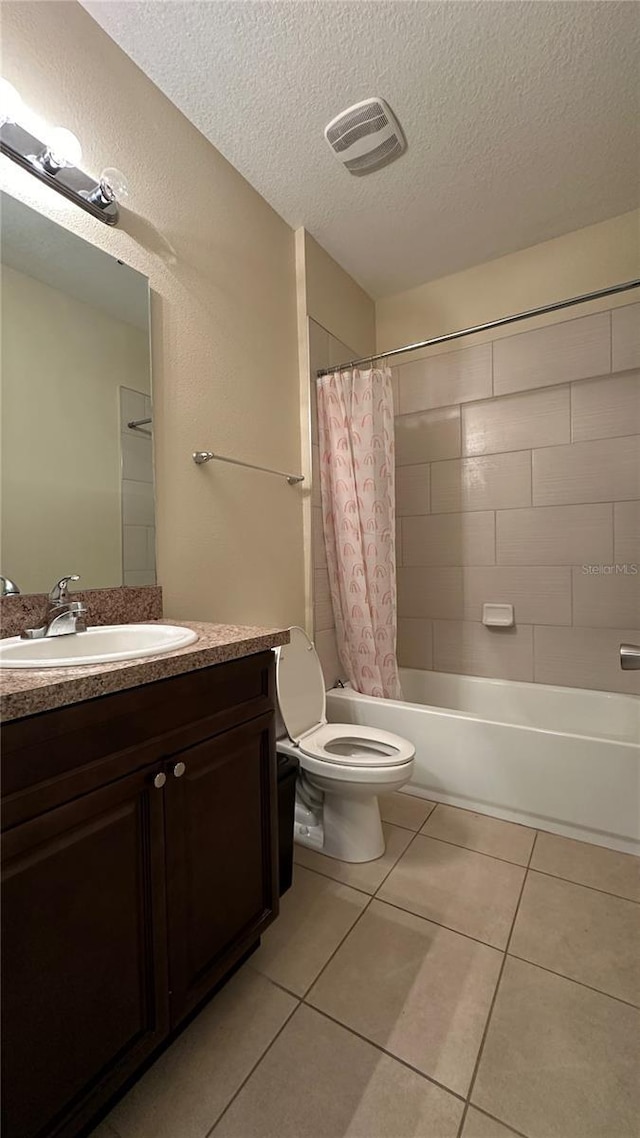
column 326, row 647
column 575, row 349
column 449, row 539
column 625, row 326
column 603, row 470
column 453, row 377
column 394, row 391
column 602, row 408
column 584, row 658
column 412, row 489
column 515, row 422
column 319, row 551
column 316, row 495
column 555, row 535
column 322, row 616
column 321, row 587
column 322, row 610
column 468, row 648
column 427, row 436
column 490, row 482
column 539, row 594
column 626, row 530
column 435, row 592
column 609, row 600
column 415, row 643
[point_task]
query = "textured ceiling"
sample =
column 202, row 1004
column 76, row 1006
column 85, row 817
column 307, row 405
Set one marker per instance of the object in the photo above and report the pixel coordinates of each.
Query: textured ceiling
column 521, row 117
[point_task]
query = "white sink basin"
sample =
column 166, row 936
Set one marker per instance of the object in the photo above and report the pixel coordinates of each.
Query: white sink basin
column 100, row 645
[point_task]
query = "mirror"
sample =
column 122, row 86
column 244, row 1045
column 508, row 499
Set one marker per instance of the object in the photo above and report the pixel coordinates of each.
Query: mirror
column 76, row 478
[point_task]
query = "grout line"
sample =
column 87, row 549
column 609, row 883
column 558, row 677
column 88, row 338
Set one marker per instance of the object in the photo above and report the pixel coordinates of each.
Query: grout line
column 438, row 924
column 572, row 980
column 390, row 1054
column 581, row 884
column 495, row 996
column 469, row 849
column 255, row 1065
column 494, row 1118
column 358, row 918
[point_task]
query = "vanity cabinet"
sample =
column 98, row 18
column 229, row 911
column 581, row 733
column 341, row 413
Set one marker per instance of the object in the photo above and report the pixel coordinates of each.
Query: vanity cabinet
column 139, row 866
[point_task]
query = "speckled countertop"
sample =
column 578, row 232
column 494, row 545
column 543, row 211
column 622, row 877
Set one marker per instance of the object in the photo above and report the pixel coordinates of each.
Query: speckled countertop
column 27, row 691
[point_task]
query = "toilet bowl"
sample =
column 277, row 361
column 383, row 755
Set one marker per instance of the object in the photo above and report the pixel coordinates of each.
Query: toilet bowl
column 343, row 766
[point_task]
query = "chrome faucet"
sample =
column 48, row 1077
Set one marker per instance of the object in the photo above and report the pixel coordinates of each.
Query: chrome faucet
column 62, row 617
column 630, row 657
column 8, row 588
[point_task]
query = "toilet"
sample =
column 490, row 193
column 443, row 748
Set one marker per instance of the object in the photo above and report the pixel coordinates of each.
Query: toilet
column 343, row 766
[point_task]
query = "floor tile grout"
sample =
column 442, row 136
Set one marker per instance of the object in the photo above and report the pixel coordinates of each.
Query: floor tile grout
column 350, row 930
column 293, row 1011
column 581, row 884
column 572, row 980
column 470, row 849
column 494, row 1118
column 439, row 924
column 384, row 1051
column 476, row 1068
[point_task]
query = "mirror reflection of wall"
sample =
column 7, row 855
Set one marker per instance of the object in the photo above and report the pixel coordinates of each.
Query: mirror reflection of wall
column 77, row 482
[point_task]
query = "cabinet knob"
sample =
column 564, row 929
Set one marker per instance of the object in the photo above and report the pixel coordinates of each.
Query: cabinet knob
column 159, row 780
column 179, row 769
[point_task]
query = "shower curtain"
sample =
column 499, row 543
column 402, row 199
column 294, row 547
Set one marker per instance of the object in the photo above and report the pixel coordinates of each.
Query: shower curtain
column 357, row 480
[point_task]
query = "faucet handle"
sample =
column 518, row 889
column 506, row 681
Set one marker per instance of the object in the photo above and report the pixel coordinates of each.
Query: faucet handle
column 58, row 593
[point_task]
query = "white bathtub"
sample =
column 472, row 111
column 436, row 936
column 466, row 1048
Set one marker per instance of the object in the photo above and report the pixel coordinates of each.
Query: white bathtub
column 562, row 759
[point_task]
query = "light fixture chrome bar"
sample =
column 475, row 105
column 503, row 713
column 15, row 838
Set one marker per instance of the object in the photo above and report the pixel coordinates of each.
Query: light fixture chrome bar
column 23, row 148
column 500, row 323
column 135, row 423
column 201, row 456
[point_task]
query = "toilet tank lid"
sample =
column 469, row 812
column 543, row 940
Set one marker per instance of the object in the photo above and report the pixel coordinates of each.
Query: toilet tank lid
column 300, row 685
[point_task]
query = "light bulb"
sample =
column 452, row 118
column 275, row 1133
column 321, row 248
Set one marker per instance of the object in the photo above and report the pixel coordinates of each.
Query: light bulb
column 63, row 148
column 113, row 185
column 10, row 103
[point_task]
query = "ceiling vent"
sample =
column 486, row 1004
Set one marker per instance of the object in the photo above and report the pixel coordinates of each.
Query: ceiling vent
column 366, row 137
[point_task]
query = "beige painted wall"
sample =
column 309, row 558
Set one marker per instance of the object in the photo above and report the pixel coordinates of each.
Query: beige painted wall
column 578, row 262
column 221, row 264
column 62, row 364
column 336, row 321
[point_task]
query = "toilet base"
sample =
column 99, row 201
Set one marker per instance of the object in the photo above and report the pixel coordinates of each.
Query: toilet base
column 346, row 828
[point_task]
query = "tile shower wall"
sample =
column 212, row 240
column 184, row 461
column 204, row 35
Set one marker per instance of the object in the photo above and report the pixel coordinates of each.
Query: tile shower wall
column 324, row 350
column 138, row 517
column 518, row 480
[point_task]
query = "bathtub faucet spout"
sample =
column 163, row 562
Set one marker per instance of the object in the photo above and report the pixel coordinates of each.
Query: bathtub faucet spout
column 630, row 657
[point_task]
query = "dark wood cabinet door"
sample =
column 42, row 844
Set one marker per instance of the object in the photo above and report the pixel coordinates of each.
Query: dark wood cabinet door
column 221, row 856
column 84, row 954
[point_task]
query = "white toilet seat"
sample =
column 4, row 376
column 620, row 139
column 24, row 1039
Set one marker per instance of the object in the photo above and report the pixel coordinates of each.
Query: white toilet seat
column 343, row 766
column 353, row 745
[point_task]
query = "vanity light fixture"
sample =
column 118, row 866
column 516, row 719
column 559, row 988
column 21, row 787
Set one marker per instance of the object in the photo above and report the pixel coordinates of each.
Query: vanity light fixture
column 55, row 160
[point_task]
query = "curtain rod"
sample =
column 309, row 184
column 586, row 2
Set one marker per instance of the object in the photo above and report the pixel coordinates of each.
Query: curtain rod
column 611, row 291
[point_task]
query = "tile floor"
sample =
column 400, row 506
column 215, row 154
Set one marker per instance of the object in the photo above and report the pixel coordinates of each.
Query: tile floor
column 480, row 980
